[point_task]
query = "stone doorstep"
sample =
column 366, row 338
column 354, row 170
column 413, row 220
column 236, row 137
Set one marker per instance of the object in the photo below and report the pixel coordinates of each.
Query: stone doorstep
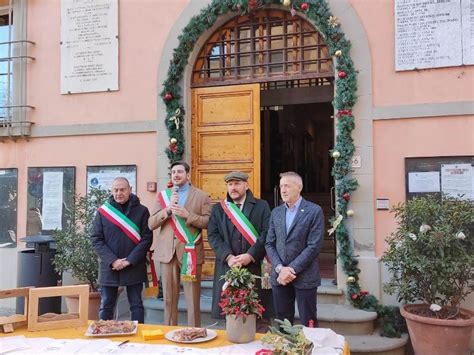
column 327, row 292
column 375, row 344
column 343, row 319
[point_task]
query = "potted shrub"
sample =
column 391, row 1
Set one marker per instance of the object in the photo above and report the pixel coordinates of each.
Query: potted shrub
column 431, row 260
column 240, row 304
column 288, row 340
column 74, row 250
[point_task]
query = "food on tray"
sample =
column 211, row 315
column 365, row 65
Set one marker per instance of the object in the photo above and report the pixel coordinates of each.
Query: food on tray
column 112, row 327
column 152, row 334
column 189, row 334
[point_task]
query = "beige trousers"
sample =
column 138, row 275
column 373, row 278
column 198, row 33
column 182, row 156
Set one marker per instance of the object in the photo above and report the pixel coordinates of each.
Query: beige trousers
column 170, row 278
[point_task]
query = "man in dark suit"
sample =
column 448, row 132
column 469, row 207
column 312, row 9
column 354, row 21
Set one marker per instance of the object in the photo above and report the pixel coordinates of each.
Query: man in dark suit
column 293, row 243
column 232, row 245
column 121, row 239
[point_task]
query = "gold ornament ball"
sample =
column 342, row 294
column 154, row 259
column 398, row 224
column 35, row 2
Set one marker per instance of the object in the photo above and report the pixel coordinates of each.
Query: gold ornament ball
column 336, row 154
column 351, row 279
column 350, row 213
column 286, row 3
column 173, row 141
column 338, row 53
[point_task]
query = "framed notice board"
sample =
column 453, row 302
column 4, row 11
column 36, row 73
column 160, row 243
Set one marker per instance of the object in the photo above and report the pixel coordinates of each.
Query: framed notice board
column 50, row 198
column 452, row 175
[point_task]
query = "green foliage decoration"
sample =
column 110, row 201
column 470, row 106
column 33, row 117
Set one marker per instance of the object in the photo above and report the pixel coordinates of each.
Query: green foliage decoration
column 319, row 14
column 239, row 295
column 431, row 254
column 74, row 250
column 287, row 339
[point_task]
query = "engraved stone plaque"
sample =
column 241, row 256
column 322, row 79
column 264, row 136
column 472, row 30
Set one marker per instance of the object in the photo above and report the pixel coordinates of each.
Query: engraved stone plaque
column 467, row 10
column 89, row 46
column 427, row 34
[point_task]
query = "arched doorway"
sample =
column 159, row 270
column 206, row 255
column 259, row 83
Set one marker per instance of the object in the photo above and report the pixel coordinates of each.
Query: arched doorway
column 262, row 87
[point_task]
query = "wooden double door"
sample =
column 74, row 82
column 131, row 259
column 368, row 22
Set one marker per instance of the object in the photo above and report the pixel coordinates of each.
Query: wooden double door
column 225, row 137
column 230, row 132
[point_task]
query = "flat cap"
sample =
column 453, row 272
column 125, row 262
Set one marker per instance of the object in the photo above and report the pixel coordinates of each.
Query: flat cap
column 236, row 175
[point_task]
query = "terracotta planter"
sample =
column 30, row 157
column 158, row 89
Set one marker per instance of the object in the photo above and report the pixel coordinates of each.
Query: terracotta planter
column 438, row 336
column 241, row 330
column 72, row 303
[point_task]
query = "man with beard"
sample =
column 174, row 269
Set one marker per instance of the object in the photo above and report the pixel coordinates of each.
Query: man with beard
column 233, row 244
column 181, row 212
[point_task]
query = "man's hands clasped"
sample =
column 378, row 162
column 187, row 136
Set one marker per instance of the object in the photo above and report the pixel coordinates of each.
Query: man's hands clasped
column 239, row 260
column 120, row 264
column 287, row 274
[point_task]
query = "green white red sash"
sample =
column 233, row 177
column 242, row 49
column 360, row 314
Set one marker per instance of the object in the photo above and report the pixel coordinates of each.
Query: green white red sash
column 184, row 235
column 120, row 220
column 248, row 231
column 151, row 283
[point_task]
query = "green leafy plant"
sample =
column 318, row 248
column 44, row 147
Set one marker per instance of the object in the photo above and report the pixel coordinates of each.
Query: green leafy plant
column 74, row 250
column 289, row 339
column 239, row 296
column 431, row 254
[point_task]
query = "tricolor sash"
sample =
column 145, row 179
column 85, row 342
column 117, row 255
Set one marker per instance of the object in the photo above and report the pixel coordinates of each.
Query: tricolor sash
column 184, row 235
column 248, row 231
column 151, row 283
column 120, row 220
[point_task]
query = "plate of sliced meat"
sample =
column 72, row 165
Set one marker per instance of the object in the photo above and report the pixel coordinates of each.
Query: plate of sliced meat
column 191, row 335
column 106, row 328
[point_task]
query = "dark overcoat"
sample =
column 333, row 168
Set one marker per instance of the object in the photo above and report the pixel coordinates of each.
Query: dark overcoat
column 111, row 243
column 300, row 247
column 219, row 231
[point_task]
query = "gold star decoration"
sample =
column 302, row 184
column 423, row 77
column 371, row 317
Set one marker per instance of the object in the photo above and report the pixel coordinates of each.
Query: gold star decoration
column 333, row 21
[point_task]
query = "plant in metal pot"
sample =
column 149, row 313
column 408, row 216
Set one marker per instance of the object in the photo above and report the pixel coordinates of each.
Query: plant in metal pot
column 240, row 304
column 74, row 250
column 430, row 257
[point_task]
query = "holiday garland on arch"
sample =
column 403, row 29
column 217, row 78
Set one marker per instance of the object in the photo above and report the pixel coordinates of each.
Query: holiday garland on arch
column 345, row 98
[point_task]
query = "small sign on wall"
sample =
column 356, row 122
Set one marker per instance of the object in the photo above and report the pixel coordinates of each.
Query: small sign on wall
column 89, row 46
column 382, row 204
column 356, row 161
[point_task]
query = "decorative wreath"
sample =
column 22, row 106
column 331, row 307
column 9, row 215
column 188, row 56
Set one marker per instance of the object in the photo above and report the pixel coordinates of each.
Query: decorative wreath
column 317, row 11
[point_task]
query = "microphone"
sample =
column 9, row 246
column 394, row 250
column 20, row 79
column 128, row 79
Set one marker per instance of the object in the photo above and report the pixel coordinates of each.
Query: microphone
column 176, row 189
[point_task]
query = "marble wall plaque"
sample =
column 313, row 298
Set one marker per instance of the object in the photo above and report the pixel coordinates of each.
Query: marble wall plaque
column 427, row 34
column 89, row 46
column 467, row 11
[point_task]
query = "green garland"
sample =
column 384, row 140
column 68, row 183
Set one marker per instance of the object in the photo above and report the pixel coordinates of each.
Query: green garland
column 345, row 98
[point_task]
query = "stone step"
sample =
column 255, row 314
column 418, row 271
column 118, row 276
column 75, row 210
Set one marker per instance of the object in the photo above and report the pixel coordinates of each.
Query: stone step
column 375, row 344
column 343, row 319
column 327, row 292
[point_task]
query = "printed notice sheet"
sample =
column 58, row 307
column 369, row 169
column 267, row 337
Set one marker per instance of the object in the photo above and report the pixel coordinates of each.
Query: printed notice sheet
column 52, row 210
column 457, row 180
column 423, row 182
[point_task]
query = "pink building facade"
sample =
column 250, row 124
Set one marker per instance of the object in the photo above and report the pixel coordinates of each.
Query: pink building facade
column 398, row 115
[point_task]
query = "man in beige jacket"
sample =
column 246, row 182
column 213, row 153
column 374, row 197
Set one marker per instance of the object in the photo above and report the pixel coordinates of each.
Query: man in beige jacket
column 181, row 212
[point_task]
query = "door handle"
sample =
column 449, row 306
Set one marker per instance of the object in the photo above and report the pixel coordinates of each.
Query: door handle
column 333, row 198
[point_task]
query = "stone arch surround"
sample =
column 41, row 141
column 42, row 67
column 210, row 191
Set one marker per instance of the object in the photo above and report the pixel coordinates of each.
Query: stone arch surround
column 361, row 226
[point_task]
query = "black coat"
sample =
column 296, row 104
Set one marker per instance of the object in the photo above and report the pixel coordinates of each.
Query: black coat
column 111, row 243
column 219, row 231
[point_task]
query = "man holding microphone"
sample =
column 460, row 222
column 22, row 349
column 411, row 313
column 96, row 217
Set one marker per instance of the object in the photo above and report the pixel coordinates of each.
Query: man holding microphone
column 181, row 212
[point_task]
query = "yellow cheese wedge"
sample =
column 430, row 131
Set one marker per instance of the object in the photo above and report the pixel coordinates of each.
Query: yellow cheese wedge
column 152, row 334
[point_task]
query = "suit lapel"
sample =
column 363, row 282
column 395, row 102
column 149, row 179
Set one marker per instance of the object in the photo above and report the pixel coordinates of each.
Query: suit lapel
column 281, row 220
column 298, row 216
column 189, row 200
